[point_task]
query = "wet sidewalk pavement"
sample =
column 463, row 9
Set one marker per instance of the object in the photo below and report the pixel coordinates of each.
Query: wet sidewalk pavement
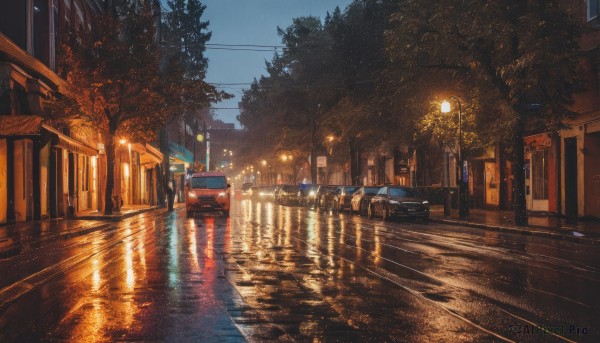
column 583, row 231
column 126, row 212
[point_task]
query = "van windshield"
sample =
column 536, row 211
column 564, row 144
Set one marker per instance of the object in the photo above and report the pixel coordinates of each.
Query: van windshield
column 209, row 182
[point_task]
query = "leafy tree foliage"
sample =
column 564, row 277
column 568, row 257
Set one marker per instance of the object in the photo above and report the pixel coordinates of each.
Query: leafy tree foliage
column 113, row 71
column 323, row 85
column 183, row 65
column 444, row 127
column 125, row 85
column 509, row 53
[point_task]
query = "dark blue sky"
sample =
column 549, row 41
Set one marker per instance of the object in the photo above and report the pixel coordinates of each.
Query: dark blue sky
column 250, row 22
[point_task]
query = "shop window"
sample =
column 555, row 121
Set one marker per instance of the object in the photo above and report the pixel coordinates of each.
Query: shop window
column 539, row 174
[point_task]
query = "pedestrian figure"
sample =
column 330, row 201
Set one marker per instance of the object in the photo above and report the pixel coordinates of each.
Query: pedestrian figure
column 170, row 194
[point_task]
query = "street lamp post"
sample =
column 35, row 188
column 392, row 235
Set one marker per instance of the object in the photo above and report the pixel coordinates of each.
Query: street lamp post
column 463, row 194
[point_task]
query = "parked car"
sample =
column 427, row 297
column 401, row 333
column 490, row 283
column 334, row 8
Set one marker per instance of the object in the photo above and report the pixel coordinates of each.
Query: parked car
column 207, row 192
column 246, row 189
column 398, row 201
column 263, row 193
column 307, row 195
column 361, row 199
column 338, row 200
column 321, row 190
column 289, row 195
column 324, row 197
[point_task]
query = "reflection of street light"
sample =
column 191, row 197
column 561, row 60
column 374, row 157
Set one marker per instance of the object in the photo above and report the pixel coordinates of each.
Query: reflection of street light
column 463, row 209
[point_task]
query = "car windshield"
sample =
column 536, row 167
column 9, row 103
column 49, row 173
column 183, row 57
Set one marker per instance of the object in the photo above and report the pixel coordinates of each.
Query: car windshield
column 350, row 190
column 404, row 192
column 371, row 190
column 291, row 188
column 209, row 182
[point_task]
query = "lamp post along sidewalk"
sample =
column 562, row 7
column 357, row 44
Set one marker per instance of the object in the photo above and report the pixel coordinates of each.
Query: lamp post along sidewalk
column 463, row 194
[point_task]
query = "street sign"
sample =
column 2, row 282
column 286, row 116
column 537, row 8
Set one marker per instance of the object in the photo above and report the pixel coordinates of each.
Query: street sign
column 321, row 161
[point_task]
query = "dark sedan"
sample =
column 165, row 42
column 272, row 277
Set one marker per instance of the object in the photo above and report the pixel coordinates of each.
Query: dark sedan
column 321, row 190
column 289, row 195
column 324, row 194
column 361, row 199
column 338, row 200
column 308, row 194
column 396, row 201
column 263, row 193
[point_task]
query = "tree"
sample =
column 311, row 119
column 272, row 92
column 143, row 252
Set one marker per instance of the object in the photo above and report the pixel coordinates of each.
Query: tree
column 510, row 53
column 113, row 71
column 183, row 67
column 358, row 44
column 292, row 100
column 444, row 128
column 323, row 84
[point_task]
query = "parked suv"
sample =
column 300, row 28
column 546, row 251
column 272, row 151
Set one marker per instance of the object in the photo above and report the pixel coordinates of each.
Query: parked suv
column 207, row 192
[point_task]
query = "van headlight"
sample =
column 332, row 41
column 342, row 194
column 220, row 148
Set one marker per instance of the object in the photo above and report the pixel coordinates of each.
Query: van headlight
column 425, row 202
column 222, row 194
column 192, row 195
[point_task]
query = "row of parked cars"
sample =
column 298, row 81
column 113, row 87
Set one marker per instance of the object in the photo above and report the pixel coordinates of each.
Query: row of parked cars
column 385, row 202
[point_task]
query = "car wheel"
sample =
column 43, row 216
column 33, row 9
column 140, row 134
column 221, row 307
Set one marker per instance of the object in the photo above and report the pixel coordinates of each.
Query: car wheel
column 385, row 215
column 361, row 208
column 370, row 212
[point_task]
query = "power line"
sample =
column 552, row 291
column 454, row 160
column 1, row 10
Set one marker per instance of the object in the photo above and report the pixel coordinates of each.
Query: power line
column 248, row 45
column 240, row 49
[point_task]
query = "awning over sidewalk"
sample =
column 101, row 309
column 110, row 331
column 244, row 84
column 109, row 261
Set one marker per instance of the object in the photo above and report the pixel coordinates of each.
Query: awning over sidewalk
column 22, row 125
column 64, row 142
column 151, row 156
column 19, row 125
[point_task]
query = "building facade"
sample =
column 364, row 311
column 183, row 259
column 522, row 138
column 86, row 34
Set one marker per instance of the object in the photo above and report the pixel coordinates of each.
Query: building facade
column 580, row 140
column 48, row 169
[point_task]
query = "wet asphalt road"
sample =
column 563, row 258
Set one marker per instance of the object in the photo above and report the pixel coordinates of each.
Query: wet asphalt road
column 277, row 273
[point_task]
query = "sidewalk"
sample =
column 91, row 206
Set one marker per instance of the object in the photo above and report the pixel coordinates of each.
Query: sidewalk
column 126, row 212
column 587, row 231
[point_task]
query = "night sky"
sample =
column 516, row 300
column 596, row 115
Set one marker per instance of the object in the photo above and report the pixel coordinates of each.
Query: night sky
column 250, row 22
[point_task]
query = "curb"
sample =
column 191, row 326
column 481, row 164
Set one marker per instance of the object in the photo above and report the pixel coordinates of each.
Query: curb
column 515, row 230
column 117, row 217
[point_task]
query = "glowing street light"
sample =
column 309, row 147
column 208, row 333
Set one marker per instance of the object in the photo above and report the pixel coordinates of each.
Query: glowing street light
column 463, row 209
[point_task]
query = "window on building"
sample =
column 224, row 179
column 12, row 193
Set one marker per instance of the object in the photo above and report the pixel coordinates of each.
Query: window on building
column 539, row 174
column 593, row 9
column 85, row 177
column 54, row 20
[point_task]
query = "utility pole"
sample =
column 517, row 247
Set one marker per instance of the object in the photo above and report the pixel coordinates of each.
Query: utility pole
column 207, row 138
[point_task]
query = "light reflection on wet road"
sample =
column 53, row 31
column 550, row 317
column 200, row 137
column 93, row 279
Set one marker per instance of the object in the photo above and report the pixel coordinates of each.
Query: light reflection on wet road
column 272, row 272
